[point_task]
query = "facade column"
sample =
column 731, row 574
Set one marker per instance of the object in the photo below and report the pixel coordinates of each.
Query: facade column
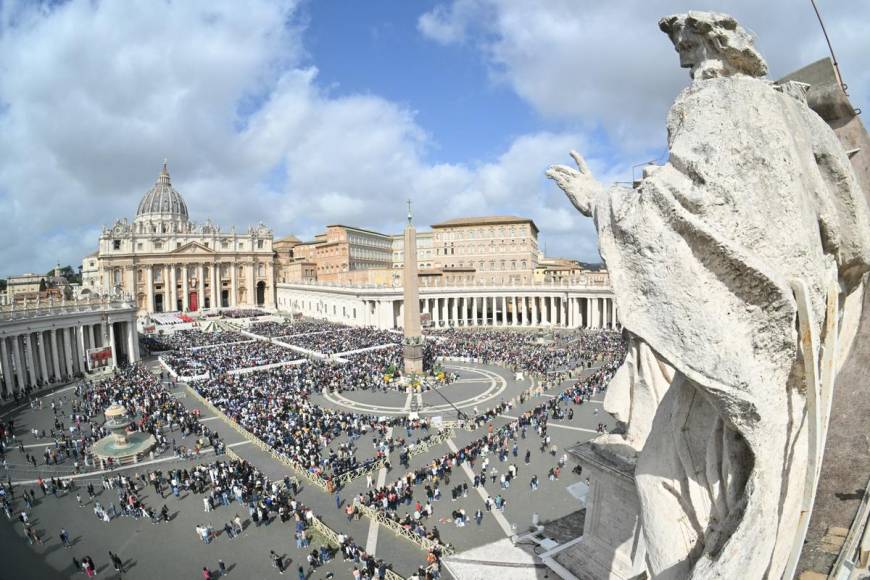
column 7, row 367
column 252, row 288
column 563, row 310
column 185, row 289
column 524, row 308
column 55, row 359
column 503, row 300
column 213, row 282
column 112, row 342
column 513, row 303
column 534, row 306
column 200, row 293
column 483, row 314
column 234, row 284
column 149, row 287
column 474, row 317
column 173, row 287
column 455, row 311
column 66, row 352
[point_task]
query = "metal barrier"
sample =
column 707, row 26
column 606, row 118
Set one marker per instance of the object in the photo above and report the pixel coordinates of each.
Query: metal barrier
column 331, row 537
column 398, row 529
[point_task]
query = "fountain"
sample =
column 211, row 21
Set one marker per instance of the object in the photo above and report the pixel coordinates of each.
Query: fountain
column 122, row 446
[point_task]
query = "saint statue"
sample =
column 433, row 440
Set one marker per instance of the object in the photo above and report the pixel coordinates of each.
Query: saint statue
column 735, row 268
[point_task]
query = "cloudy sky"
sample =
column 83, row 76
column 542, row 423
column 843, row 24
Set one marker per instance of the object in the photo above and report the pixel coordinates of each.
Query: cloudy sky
column 299, row 114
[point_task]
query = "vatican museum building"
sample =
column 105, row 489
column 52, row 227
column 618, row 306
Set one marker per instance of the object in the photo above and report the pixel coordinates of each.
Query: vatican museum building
column 168, row 263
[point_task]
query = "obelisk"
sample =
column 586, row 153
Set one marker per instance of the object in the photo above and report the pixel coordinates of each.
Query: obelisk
column 412, row 345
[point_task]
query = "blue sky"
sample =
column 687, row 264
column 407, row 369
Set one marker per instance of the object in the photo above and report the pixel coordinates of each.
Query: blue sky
column 298, row 113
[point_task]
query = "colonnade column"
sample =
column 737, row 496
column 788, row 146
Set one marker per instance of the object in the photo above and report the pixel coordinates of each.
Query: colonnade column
column 55, row 360
column 66, row 352
column 28, row 359
column 19, row 362
column 7, row 367
column 112, row 342
column 483, row 313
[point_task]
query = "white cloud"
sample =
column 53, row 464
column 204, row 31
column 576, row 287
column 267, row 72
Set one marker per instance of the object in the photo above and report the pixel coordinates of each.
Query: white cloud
column 93, row 95
column 607, row 63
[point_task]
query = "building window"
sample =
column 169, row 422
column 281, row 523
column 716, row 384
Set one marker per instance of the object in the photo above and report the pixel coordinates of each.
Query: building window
column 260, row 244
column 138, row 245
column 116, row 244
column 158, row 245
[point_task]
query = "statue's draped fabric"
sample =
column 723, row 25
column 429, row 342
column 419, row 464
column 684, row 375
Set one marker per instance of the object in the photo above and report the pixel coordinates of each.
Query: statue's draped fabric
column 757, row 192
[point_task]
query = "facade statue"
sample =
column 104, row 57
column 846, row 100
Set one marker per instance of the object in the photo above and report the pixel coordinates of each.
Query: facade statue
column 735, row 267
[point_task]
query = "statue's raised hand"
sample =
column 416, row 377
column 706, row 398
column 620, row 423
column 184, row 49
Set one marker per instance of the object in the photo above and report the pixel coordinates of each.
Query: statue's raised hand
column 578, row 184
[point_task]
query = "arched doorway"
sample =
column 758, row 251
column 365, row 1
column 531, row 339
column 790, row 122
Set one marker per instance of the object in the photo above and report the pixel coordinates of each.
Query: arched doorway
column 261, row 293
column 225, row 298
column 193, row 302
column 158, row 303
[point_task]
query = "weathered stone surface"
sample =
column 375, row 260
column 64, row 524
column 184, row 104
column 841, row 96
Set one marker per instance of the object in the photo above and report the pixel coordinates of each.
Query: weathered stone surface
column 757, row 205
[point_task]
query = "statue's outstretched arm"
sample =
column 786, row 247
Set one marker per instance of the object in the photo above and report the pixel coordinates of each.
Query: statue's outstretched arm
column 578, row 184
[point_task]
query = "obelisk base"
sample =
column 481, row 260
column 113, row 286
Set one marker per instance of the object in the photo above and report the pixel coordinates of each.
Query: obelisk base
column 413, row 357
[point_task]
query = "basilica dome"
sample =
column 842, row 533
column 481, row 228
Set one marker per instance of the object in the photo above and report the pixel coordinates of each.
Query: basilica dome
column 162, row 201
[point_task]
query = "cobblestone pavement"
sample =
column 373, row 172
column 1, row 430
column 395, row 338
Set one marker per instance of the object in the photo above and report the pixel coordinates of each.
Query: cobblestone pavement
column 174, row 551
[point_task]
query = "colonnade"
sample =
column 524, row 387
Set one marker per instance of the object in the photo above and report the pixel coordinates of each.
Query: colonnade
column 383, row 308
column 520, row 310
column 44, row 346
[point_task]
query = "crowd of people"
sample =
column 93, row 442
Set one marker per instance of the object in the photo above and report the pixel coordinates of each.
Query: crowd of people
column 242, row 313
column 275, row 406
column 221, row 359
column 275, row 329
column 523, row 351
column 502, row 443
column 186, row 339
column 346, row 339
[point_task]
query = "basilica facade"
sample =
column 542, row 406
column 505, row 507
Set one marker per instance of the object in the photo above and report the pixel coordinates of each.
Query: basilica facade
column 168, row 263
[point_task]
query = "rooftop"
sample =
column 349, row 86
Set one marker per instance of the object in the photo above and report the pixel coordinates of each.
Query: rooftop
column 485, row 220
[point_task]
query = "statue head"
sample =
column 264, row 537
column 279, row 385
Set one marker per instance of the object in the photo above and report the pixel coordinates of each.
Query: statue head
column 712, row 45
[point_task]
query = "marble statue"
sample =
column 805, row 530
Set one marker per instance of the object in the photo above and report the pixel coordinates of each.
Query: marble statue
column 735, row 267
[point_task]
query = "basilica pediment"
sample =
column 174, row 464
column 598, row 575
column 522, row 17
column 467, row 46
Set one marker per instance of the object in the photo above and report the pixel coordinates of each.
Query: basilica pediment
column 192, row 248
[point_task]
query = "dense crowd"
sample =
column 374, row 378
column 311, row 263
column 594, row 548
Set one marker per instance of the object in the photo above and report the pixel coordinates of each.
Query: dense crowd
column 275, row 406
column 346, row 339
column 522, row 351
column 273, row 329
column 242, row 313
column 185, row 339
column 223, row 358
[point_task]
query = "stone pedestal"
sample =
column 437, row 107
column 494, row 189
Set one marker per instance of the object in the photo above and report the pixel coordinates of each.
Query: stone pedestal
column 412, row 351
column 612, row 545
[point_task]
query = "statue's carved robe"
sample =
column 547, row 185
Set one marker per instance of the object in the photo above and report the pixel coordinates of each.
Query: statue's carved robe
column 757, row 192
